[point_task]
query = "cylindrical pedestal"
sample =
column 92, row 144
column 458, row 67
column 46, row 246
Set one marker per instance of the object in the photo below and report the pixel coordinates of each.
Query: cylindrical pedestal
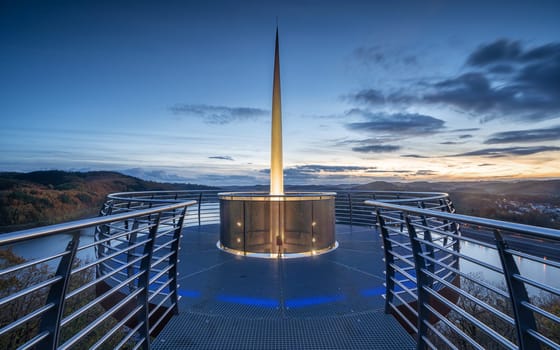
column 290, row 225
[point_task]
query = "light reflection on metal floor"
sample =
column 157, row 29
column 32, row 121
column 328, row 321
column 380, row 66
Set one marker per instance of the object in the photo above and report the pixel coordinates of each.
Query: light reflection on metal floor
column 330, row 301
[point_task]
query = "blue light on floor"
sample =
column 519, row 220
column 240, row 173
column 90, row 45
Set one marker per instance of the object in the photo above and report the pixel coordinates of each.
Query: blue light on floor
column 261, row 302
column 373, row 291
column 303, row 302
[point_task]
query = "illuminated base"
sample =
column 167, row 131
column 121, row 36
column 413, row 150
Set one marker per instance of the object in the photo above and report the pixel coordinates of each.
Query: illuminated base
column 277, row 226
column 275, row 256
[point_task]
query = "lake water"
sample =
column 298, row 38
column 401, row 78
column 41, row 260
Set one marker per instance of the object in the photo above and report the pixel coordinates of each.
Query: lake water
column 539, row 272
column 51, row 245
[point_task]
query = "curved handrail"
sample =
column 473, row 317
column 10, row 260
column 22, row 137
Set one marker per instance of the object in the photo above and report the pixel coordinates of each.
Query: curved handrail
column 533, row 231
column 520, row 313
column 44, row 231
column 349, row 204
column 60, row 297
column 266, row 195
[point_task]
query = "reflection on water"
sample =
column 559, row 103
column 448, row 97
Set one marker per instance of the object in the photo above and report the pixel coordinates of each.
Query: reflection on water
column 54, row 244
column 539, row 272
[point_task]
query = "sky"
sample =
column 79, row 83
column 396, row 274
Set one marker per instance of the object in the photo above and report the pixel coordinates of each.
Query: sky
column 181, row 91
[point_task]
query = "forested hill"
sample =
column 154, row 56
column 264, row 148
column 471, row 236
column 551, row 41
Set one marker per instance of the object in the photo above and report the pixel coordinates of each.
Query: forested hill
column 47, row 197
column 532, row 202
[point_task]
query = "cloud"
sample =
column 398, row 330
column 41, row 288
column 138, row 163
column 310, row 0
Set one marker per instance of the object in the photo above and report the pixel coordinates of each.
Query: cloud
column 313, row 173
column 383, row 56
column 309, row 169
column 369, row 141
column 533, row 135
column 470, row 92
column 410, row 60
column 316, row 173
column 465, row 130
column 154, row 175
column 509, row 151
column 451, row 143
column 221, row 157
column 389, row 128
column 486, row 164
column 218, row 114
column 501, row 69
column 371, row 54
column 375, row 98
column 465, row 136
column 426, row 172
column 367, row 96
column 399, row 124
column 508, row 51
column 376, row 148
column 375, row 171
column 529, row 90
column 498, row 51
column 533, row 95
column 413, row 156
column 228, row 179
column 503, row 80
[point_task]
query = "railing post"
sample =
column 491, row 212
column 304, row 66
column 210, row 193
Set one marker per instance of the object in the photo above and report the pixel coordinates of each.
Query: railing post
column 350, row 207
column 455, row 227
column 389, row 261
column 57, row 294
column 450, row 205
column 130, row 252
column 524, row 318
column 430, row 249
column 428, row 237
column 174, row 260
column 127, row 209
column 199, row 206
column 373, row 196
column 144, row 281
column 102, row 231
column 422, row 280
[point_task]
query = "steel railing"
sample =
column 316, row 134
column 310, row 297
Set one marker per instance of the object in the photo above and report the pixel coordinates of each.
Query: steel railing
column 105, row 282
column 110, row 282
column 349, row 205
column 451, row 298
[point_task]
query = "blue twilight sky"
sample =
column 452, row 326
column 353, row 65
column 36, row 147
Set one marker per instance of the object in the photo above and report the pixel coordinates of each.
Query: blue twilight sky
column 371, row 90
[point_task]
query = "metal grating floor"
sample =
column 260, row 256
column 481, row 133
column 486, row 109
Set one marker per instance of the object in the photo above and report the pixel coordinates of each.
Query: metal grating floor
column 331, row 301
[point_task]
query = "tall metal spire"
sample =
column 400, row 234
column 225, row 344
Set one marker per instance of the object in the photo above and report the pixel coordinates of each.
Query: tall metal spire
column 276, row 161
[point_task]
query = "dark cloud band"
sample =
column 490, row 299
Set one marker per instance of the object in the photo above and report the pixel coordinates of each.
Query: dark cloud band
column 509, row 151
column 402, row 124
column 534, row 135
column 218, row 114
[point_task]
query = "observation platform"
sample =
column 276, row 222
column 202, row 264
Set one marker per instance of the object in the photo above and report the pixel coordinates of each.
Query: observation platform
column 328, row 301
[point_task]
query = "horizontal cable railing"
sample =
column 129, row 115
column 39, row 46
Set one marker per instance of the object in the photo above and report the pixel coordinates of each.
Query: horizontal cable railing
column 452, row 296
column 105, row 282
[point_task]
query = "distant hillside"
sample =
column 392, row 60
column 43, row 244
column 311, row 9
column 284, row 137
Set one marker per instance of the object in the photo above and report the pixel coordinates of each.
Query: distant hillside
column 527, row 202
column 532, row 187
column 47, row 197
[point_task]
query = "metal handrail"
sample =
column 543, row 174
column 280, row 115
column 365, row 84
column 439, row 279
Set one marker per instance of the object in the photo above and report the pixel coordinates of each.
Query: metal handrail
column 120, row 297
column 59, row 298
column 38, row 232
column 532, row 231
column 349, row 204
column 521, row 312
